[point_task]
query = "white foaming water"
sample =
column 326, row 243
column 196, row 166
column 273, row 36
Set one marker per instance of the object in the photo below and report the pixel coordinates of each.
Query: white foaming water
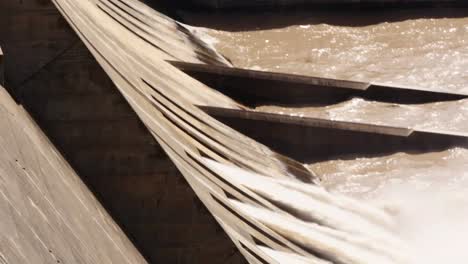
column 432, row 220
column 429, row 214
column 426, row 193
column 450, row 116
column 338, row 228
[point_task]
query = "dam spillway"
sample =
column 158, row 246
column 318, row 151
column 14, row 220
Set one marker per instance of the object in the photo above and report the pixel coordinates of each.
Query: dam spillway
column 168, row 88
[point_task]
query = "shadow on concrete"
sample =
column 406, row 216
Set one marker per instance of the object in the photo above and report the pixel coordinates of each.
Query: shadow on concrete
column 351, row 16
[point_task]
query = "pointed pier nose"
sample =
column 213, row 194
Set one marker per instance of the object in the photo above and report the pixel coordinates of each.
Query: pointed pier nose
column 253, row 87
column 2, row 68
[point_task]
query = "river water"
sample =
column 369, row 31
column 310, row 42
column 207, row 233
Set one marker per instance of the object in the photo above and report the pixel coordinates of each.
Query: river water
column 412, row 49
column 439, row 116
column 424, row 48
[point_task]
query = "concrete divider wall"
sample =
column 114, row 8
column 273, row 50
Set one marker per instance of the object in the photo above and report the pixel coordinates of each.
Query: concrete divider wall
column 2, row 68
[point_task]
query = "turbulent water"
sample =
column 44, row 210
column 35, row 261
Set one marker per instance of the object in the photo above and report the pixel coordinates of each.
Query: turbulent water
column 413, row 49
column 366, row 178
column 423, row 52
column 426, row 192
column 439, row 116
column 424, row 48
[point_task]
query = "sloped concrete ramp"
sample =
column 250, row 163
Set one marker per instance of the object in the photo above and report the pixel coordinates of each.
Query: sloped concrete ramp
column 47, row 214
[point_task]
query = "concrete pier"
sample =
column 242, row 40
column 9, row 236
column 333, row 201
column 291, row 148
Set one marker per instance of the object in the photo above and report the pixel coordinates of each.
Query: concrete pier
column 314, row 140
column 2, row 68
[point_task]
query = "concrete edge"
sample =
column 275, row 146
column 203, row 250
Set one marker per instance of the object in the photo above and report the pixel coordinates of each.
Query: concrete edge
column 2, row 68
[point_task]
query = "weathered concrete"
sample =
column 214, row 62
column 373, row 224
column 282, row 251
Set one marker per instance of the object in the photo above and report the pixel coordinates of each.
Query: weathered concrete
column 255, row 88
column 2, row 68
column 129, row 41
column 207, row 151
column 47, row 213
column 83, row 113
column 32, row 34
column 311, row 140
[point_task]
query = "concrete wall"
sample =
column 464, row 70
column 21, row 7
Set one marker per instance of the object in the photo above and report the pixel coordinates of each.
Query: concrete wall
column 55, row 77
column 47, row 214
column 221, row 4
column 2, row 68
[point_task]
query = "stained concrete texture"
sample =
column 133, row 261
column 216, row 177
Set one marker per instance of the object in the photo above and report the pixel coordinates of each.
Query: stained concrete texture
column 47, row 213
column 2, row 70
column 57, row 80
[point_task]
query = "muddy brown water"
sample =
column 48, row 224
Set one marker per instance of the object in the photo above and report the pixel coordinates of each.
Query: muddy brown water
column 422, row 48
column 366, row 177
column 423, row 52
column 427, row 192
column 449, row 116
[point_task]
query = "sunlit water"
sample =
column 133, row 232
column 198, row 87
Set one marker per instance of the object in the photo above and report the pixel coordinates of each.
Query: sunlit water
column 423, row 52
column 443, row 116
column 427, row 193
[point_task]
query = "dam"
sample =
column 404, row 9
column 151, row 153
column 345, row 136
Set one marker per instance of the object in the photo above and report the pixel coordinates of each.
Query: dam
column 214, row 139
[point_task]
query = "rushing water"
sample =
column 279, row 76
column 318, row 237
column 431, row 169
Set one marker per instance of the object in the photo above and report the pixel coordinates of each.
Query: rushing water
column 366, row 177
column 427, row 193
column 413, row 49
column 424, row 48
column 440, row 116
column 423, row 52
